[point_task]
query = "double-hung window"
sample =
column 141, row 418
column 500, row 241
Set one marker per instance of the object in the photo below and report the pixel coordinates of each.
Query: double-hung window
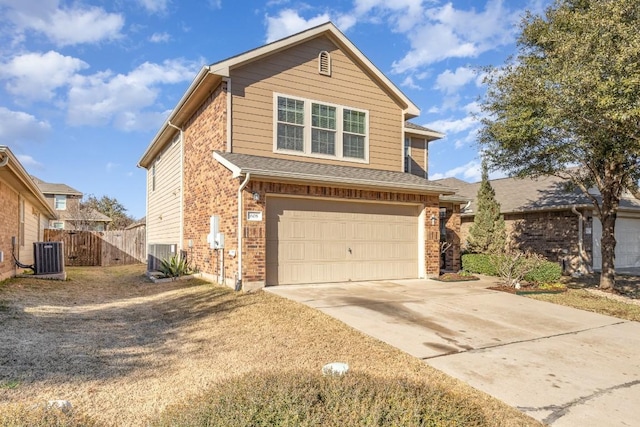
column 319, row 129
column 60, row 202
column 290, row 124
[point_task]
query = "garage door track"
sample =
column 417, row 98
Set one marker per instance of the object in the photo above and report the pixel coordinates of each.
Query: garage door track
column 562, row 366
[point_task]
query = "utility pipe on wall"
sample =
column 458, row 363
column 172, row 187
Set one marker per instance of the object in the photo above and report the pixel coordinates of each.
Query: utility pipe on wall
column 240, row 189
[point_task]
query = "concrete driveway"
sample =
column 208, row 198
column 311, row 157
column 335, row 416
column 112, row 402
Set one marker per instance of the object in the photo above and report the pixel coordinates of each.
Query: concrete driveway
column 562, row 366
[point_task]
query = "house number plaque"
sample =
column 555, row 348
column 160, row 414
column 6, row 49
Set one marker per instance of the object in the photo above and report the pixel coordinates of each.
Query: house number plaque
column 254, row 216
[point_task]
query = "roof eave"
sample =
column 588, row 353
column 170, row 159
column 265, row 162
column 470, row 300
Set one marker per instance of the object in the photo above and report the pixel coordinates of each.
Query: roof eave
column 181, row 113
column 33, row 193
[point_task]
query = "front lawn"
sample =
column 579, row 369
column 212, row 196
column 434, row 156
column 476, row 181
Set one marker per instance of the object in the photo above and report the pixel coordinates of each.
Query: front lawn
column 127, row 352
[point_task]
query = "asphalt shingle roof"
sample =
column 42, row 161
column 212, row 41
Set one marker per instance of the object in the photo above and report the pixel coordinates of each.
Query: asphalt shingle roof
column 293, row 170
column 519, row 195
column 49, row 188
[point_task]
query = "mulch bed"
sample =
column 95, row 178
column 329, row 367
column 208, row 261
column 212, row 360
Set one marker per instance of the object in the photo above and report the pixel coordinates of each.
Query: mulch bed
column 526, row 290
column 455, row 277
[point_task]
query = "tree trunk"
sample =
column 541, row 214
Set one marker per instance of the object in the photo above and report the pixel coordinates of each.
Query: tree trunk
column 608, row 241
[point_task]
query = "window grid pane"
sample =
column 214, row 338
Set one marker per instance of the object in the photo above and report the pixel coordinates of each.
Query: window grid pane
column 290, row 137
column 290, row 110
column 354, row 121
column 353, row 146
column 323, row 142
column 323, row 116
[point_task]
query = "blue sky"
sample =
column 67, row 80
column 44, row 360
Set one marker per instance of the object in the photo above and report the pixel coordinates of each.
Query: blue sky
column 85, row 85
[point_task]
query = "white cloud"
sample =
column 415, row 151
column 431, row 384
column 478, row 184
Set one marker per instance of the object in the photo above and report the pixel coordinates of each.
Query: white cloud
column 64, row 26
column 29, row 161
column 455, row 33
column 18, row 127
column 472, row 108
column 450, row 82
column 154, row 6
column 289, row 22
column 160, row 37
column 35, row 76
column 404, row 14
column 111, row 166
column 409, row 82
column 120, row 99
column 471, row 171
column 453, row 126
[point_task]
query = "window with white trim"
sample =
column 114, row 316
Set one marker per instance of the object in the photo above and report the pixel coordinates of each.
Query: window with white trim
column 57, row 225
column 318, row 129
column 60, row 202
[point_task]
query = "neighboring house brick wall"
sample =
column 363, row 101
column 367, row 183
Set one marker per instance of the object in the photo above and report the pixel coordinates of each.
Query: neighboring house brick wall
column 9, row 227
column 163, row 209
column 295, row 72
column 551, row 234
column 209, row 188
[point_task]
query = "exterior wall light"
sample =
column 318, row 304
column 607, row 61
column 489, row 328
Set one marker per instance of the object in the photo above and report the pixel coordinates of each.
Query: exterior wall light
column 256, row 196
column 433, row 219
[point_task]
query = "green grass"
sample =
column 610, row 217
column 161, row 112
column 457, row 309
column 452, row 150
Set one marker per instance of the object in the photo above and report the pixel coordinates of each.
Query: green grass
column 307, row 399
column 584, row 300
column 9, row 385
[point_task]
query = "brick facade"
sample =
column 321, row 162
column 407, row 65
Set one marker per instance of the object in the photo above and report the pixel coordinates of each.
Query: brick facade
column 451, row 226
column 210, row 189
column 552, row 234
column 9, row 226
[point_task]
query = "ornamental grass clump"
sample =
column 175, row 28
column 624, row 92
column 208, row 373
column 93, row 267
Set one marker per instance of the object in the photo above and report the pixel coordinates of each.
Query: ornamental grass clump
column 175, row 266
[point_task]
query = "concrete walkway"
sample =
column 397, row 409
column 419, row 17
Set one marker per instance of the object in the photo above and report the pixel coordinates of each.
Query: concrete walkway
column 562, row 366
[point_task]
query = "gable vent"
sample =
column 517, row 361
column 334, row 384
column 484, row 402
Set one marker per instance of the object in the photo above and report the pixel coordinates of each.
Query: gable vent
column 324, row 63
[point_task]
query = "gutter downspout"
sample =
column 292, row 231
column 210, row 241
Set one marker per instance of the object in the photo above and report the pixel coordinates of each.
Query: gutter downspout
column 240, row 189
column 581, row 267
column 181, row 182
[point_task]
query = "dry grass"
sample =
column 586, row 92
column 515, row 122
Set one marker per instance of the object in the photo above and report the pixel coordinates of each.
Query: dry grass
column 585, row 300
column 121, row 349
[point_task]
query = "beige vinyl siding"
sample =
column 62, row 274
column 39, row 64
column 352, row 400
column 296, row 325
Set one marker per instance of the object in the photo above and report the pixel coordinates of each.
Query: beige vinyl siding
column 419, row 156
column 32, row 232
column 163, row 210
column 294, row 72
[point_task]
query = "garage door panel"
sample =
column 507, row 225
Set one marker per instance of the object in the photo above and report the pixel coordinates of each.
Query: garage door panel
column 310, row 241
column 627, row 243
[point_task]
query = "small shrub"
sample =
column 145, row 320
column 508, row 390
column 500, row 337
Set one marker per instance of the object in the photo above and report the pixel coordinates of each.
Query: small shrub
column 544, row 272
column 308, row 399
column 175, row 266
column 479, row 264
column 514, row 265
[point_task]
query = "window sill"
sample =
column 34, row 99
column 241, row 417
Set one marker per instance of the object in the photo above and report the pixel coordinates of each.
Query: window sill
column 322, row 156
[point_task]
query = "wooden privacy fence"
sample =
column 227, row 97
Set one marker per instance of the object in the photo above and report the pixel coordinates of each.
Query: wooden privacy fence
column 100, row 248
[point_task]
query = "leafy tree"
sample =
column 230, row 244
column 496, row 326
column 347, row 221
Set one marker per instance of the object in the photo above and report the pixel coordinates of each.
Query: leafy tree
column 569, row 105
column 110, row 207
column 488, row 232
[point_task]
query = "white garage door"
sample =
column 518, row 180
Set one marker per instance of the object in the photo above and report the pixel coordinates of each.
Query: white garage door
column 627, row 243
column 314, row 241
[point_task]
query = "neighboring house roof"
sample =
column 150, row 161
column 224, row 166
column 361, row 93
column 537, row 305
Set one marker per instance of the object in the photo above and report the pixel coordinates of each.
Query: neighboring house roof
column 354, row 177
column 17, row 177
column 90, row 215
column 49, row 188
column 139, row 223
column 528, row 194
column 210, row 76
column 415, row 129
